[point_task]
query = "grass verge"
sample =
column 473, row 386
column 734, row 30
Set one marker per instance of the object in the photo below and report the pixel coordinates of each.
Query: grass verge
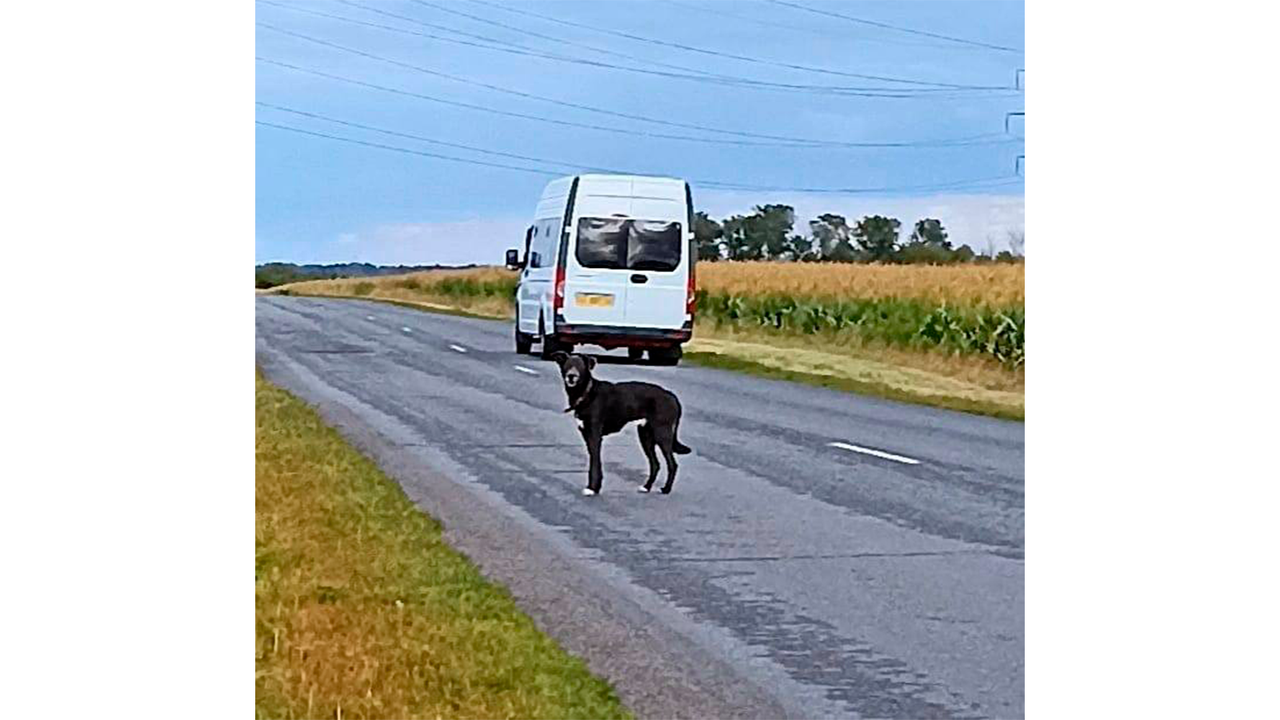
column 968, row 384
column 737, row 363
column 364, row 611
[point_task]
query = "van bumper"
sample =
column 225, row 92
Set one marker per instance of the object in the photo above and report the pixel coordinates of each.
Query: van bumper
column 612, row 336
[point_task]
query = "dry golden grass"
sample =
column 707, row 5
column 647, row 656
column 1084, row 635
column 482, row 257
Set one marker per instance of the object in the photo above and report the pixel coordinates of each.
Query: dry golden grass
column 997, row 285
column 419, row 288
column 364, row 611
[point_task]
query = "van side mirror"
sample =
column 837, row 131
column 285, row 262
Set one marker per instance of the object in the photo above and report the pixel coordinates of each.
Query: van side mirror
column 513, row 259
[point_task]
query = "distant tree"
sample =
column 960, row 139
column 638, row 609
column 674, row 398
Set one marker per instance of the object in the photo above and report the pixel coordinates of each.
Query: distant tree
column 832, row 238
column 878, row 237
column 929, row 231
column 928, row 244
column 799, row 249
column 735, row 238
column 768, row 229
column 269, row 276
column 762, row 235
column 1017, row 241
column 707, row 234
column 1006, row 257
column 924, row 253
column 963, row 254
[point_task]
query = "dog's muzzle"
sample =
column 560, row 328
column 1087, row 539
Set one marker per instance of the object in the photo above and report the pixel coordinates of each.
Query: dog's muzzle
column 572, row 378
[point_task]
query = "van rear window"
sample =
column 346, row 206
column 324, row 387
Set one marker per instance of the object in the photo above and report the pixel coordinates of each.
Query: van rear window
column 627, row 244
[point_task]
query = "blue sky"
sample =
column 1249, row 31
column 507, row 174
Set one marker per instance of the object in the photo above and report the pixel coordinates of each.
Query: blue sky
column 319, row 200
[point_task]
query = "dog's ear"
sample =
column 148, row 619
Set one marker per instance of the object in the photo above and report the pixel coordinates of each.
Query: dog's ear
column 560, row 357
column 591, row 361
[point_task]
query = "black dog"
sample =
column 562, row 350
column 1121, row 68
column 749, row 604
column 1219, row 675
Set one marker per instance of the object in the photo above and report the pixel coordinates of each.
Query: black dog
column 604, row 408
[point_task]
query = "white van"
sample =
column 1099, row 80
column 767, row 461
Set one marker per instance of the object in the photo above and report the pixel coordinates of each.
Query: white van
column 608, row 261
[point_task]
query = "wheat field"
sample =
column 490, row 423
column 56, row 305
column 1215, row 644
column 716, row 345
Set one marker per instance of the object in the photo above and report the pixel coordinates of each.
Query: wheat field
column 992, row 285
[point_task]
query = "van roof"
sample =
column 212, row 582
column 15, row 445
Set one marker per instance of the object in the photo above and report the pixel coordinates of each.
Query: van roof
column 609, row 176
column 642, row 195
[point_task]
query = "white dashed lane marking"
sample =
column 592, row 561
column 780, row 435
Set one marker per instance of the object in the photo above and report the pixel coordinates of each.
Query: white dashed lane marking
column 406, row 329
column 457, row 348
column 368, row 317
column 873, row 452
column 524, row 369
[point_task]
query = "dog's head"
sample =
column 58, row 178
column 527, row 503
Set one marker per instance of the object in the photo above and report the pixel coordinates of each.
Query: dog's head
column 575, row 369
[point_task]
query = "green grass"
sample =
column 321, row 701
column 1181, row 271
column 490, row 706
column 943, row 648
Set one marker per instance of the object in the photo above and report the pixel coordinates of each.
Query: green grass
column 364, row 611
column 738, row 364
column 908, row 323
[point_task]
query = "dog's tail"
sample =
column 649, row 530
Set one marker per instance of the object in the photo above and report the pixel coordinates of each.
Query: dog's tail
column 680, row 448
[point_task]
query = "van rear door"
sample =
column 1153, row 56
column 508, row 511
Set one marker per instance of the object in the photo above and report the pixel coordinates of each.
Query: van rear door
column 596, row 283
column 656, row 296
column 656, row 257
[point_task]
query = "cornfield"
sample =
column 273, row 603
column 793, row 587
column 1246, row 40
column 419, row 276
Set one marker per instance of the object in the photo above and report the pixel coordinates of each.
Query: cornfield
column 901, row 323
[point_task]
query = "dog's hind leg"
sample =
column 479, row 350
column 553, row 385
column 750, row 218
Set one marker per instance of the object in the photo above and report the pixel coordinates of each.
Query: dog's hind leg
column 666, row 438
column 647, row 443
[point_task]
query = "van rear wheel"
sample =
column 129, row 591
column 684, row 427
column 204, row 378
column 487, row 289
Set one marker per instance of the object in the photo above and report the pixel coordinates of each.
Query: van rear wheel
column 666, row 356
column 524, row 342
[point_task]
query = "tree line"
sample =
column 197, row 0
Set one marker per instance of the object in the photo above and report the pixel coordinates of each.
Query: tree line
column 768, row 234
column 272, row 274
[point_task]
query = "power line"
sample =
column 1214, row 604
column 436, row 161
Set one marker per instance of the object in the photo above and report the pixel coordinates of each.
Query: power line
column 509, row 113
column 887, row 26
column 959, row 184
column 898, row 93
column 434, row 141
column 495, row 44
column 641, row 118
column 404, row 150
column 973, row 184
column 744, row 58
column 563, row 41
column 573, row 166
column 812, row 31
column 783, row 141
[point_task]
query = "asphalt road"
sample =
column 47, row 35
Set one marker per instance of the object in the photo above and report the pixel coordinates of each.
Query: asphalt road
column 822, row 555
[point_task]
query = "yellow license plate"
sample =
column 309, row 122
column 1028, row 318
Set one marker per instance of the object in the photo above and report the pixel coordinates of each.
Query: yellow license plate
column 593, row 300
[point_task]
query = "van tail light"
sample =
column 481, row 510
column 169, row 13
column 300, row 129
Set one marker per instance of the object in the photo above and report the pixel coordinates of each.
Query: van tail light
column 558, row 299
column 691, row 299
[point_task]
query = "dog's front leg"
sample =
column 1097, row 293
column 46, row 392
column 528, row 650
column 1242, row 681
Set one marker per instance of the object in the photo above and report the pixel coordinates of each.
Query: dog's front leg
column 595, row 476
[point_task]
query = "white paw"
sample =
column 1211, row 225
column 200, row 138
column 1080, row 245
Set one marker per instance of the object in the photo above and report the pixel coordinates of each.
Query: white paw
column 588, row 492
column 642, row 489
